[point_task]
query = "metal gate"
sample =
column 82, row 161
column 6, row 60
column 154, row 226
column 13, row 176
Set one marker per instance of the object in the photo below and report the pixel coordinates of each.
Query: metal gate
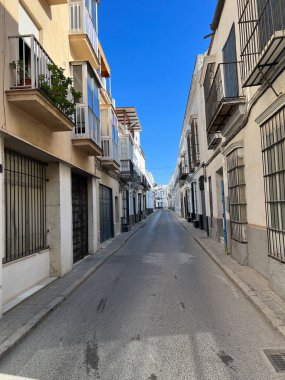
column 106, row 213
column 79, row 217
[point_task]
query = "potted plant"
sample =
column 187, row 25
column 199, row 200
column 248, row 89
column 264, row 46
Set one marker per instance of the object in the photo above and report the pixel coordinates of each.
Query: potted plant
column 22, row 73
column 59, row 90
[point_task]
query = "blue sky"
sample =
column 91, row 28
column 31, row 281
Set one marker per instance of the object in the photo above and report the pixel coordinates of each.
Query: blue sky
column 151, row 47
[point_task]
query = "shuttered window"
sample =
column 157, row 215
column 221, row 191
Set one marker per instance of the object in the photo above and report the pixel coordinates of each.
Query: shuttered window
column 26, row 24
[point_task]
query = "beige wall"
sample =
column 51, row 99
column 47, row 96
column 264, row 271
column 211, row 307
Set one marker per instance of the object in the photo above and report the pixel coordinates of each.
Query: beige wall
column 53, row 22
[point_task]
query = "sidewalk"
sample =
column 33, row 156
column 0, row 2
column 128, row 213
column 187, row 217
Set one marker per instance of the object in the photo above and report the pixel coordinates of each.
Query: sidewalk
column 19, row 321
column 255, row 287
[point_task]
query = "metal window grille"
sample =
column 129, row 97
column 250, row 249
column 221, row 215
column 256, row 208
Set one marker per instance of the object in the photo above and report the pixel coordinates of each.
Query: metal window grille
column 25, row 206
column 189, row 153
column 273, row 148
column 258, row 21
column 209, row 77
column 195, row 143
column 188, row 203
column 237, row 196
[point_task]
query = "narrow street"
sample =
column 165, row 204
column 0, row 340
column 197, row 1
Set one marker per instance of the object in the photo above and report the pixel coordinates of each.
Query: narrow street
column 160, row 308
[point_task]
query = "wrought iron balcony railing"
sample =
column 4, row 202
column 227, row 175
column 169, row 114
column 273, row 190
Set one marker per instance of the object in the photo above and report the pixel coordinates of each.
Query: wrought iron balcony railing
column 144, row 182
column 222, row 94
column 183, row 171
column 127, row 169
column 262, row 36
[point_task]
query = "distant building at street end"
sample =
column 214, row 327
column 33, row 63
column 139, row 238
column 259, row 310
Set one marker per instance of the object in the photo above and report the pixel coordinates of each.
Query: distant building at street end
column 161, row 197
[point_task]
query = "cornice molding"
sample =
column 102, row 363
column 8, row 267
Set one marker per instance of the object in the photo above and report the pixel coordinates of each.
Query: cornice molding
column 232, row 147
column 271, row 110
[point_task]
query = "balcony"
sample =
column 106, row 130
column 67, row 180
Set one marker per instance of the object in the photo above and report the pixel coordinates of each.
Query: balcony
column 144, row 182
column 110, row 158
column 183, row 172
column 127, row 170
column 87, row 133
column 28, row 62
column 83, row 36
column 223, row 95
column 262, row 31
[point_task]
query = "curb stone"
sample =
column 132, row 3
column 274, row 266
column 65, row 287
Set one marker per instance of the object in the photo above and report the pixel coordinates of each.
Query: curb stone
column 7, row 345
column 250, row 294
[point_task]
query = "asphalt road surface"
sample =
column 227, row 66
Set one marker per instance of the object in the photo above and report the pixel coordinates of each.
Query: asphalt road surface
column 159, row 309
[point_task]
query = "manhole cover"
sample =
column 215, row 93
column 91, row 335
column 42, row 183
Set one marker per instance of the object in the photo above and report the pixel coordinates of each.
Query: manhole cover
column 277, row 359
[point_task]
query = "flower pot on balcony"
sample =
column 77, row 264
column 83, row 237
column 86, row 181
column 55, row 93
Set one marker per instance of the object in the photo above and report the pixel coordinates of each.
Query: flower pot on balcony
column 27, row 82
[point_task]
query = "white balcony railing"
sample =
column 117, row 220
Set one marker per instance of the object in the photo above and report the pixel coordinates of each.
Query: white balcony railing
column 81, row 22
column 87, row 125
column 29, row 62
column 110, row 149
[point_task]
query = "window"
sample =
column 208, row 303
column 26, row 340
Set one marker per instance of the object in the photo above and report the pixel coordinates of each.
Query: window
column 193, row 146
column 189, row 153
column 124, row 148
column 230, row 66
column 114, row 123
column 187, row 202
column 93, row 93
column 237, row 198
column 195, row 142
column 25, row 211
column 273, row 148
column 91, row 6
column 78, row 80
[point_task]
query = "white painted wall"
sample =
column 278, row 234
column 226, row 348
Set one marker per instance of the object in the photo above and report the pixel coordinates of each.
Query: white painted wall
column 59, row 218
column 150, row 199
column 22, row 274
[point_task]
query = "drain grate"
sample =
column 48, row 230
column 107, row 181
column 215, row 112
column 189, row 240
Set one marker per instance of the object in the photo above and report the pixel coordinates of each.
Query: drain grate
column 277, row 359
